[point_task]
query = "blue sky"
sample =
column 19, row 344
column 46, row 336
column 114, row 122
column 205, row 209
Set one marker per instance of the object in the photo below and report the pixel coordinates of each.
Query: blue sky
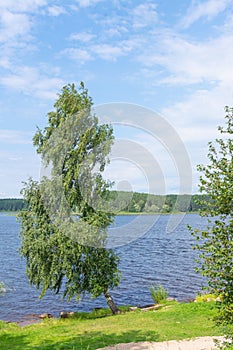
column 171, row 57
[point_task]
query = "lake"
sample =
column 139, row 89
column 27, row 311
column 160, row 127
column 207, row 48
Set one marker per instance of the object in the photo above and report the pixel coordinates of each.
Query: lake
column 154, row 256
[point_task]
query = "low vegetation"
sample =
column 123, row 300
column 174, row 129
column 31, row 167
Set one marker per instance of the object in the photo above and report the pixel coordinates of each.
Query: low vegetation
column 135, row 202
column 158, row 293
column 215, row 240
column 99, row 328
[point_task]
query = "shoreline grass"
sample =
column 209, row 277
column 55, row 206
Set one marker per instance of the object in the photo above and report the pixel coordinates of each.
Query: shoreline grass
column 174, row 321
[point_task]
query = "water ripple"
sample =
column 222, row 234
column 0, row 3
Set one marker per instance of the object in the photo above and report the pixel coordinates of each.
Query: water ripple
column 157, row 257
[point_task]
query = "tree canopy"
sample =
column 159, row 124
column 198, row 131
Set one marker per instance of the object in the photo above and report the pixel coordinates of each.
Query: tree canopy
column 64, row 252
column 216, row 241
column 11, row 204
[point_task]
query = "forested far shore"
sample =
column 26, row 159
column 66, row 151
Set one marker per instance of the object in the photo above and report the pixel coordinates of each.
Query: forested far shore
column 11, row 204
column 134, row 202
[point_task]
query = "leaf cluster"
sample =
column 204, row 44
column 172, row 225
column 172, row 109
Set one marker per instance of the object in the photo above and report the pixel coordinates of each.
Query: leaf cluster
column 215, row 242
column 63, row 252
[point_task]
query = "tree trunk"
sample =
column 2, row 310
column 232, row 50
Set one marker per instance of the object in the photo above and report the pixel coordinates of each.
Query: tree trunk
column 111, row 303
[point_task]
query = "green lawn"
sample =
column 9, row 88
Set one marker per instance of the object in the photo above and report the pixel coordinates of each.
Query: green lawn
column 96, row 330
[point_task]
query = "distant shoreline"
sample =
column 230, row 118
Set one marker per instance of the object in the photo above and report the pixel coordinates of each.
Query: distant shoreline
column 134, row 203
column 123, row 213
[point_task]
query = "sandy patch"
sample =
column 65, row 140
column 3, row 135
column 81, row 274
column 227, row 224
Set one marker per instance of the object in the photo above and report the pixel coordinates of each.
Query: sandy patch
column 202, row 343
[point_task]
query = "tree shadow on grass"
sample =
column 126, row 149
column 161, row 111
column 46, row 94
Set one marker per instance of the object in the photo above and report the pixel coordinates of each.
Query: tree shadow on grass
column 95, row 340
column 87, row 341
column 16, row 342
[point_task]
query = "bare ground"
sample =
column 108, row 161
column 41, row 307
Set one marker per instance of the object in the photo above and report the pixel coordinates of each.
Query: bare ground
column 202, row 343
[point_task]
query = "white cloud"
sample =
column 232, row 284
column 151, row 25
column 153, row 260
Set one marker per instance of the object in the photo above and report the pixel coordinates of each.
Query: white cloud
column 208, row 9
column 86, row 3
column 111, row 52
column 115, row 25
column 105, row 51
column 79, row 55
column 197, row 137
column 116, row 34
column 190, row 62
column 14, row 25
column 197, row 118
column 56, row 11
column 201, row 107
column 21, row 5
column 108, row 52
column 16, row 22
column 144, row 15
column 31, row 81
column 83, row 37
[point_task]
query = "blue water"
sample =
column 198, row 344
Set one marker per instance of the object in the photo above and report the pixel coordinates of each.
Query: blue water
column 153, row 257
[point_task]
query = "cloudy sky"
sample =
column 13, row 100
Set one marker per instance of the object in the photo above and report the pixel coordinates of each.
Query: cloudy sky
column 170, row 57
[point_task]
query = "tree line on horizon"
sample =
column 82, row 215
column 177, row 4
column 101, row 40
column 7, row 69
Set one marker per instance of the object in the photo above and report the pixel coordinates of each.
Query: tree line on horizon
column 135, row 202
column 11, row 204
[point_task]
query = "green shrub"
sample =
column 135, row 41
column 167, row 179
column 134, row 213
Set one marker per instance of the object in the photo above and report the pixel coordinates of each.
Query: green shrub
column 205, row 298
column 158, row 293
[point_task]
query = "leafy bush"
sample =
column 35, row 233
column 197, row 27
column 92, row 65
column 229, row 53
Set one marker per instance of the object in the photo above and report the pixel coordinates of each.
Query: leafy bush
column 207, row 297
column 158, row 293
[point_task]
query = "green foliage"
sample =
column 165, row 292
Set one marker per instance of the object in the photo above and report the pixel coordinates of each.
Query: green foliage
column 133, row 202
column 158, row 293
column 206, row 298
column 93, row 331
column 98, row 313
column 63, row 252
column 11, row 204
column 216, row 241
column 136, row 202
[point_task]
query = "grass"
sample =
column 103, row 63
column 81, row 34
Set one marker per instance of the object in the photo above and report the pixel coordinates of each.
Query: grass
column 87, row 331
column 158, row 293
